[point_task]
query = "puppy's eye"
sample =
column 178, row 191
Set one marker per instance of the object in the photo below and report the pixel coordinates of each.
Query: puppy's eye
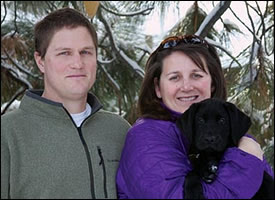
column 221, row 121
column 201, row 120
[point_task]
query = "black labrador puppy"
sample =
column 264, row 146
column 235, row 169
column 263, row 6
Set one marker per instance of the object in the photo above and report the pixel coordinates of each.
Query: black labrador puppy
column 211, row 126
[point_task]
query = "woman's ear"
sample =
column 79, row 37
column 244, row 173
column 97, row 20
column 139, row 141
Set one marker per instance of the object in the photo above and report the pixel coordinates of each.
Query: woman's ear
column 39, row 61
column 212, row 87
column 157, row 89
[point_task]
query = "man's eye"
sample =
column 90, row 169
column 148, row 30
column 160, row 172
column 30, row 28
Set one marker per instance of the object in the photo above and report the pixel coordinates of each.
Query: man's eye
column 64, row 53
column 85, row 52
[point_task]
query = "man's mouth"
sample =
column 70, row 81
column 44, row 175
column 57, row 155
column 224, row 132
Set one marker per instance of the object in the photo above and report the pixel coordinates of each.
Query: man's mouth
column 76, row 76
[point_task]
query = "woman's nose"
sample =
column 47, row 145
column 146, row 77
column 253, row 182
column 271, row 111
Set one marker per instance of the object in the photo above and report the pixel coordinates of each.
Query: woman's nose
column 186, row 85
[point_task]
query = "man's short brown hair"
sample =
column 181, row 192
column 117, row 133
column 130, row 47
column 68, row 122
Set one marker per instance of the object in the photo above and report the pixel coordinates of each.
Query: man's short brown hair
column 66, row 17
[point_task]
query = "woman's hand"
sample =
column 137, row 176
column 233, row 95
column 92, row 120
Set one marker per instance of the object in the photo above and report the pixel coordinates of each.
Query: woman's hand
column 251, row 146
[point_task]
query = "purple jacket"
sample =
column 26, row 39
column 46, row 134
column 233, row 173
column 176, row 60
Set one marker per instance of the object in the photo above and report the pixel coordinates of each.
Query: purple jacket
column 154, row 164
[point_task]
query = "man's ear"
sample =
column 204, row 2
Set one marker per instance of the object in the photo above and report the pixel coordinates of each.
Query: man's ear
column 239, row 122
column 186, row 122
column 39, row 61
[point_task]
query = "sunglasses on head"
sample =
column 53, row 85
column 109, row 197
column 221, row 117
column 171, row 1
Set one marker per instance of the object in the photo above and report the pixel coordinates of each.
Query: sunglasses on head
column 186, row 39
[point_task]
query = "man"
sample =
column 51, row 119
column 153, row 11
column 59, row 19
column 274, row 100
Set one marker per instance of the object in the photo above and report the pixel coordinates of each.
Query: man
column 59, row 143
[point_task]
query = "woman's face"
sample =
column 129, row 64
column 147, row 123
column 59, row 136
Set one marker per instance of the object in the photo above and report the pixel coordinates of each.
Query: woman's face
column 182, row 82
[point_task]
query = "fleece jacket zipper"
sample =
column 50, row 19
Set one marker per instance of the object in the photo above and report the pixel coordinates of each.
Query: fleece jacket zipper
column 89, row 163
column 104, row 171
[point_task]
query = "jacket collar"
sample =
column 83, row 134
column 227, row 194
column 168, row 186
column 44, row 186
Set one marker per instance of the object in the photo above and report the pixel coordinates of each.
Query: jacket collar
column 33, row 101
column 174, row 115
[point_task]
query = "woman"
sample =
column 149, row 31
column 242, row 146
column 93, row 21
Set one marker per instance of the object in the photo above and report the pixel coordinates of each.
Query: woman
column 181, row 71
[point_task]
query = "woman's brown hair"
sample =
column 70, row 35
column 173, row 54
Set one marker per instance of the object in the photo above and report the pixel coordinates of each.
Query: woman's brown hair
column 203, row 55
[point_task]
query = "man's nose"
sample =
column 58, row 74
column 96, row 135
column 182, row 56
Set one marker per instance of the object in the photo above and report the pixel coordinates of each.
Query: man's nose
column 76, row 61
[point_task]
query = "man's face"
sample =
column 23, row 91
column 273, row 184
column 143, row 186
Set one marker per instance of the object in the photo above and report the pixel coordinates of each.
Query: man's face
column 69, row 65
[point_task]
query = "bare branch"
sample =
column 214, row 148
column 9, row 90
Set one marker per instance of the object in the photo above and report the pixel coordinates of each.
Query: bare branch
column 51, row 5
column 111, row 80
column 15, row 17
column 223, row 49
column 105, row 61
column 141, row 12
column 114, row 85
column 144, row 50
column 5, row 9
column 252, row 7
column 254, row 43
column 140, row 59
column 241, row 21
column 265, row 30
column 250, row 18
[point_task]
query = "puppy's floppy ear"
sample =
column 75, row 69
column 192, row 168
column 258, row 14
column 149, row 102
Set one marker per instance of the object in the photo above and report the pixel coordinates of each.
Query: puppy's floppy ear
column 187, row 120
column 239, row 122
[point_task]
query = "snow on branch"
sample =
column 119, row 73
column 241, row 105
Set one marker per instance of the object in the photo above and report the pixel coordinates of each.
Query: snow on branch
column 13, row 103
column 210, row 41
column 17, row 75
column 212, row 17
column 134, row 66
column 112, row 81
column 20, row 67
column 132, row 63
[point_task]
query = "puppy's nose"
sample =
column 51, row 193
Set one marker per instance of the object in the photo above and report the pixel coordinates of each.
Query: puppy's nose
column 210, row 139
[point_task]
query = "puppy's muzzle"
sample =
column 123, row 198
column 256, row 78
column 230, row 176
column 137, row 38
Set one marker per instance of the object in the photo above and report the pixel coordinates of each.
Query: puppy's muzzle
column 211, row 139
column 210, row 143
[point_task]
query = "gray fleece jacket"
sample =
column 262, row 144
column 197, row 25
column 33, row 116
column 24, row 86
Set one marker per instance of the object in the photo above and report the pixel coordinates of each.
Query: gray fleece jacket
column 44, row 154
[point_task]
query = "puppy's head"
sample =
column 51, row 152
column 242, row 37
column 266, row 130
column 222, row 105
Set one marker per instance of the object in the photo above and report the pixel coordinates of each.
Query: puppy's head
column 212, row 125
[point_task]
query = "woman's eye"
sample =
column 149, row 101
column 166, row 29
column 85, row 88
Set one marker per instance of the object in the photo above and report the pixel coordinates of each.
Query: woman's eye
column 173, row 78
column 197, row 76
